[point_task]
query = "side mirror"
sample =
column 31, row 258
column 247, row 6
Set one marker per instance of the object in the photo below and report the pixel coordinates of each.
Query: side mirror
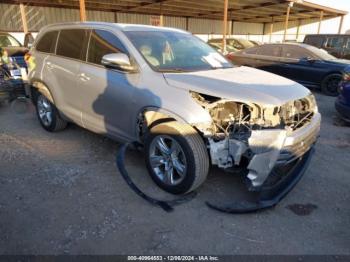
column 118, row 61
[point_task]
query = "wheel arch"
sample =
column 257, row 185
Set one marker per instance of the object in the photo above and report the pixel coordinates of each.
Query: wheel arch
column 150, row 116
column 40, row 86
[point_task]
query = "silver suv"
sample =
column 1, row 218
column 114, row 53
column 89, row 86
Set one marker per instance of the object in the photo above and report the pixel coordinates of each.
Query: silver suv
column 180, row 98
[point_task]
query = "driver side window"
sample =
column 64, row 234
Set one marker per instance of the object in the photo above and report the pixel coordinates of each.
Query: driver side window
column 102, row 43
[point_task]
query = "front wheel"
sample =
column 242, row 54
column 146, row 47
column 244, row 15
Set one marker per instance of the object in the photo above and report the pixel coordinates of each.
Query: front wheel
column 330, row 85
column 176, row 157
column 48, row 115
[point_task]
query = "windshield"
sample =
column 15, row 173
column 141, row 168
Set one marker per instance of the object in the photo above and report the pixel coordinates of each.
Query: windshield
column 176, row 52
column 246, row 43
column 323, row 54
column 8, row 41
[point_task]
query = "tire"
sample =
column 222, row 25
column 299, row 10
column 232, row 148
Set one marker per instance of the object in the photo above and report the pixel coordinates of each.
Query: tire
column 46, row 110
column 188, row 157
column 330, row 85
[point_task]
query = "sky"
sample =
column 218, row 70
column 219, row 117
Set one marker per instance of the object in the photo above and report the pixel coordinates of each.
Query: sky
column 338, row 4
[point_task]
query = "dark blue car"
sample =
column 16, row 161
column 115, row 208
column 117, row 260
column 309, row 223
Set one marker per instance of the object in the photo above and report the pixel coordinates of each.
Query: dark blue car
column 308, row 65
column 342, row 104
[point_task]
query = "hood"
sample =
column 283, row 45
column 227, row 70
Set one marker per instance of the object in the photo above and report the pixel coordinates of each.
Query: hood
column 242, row 84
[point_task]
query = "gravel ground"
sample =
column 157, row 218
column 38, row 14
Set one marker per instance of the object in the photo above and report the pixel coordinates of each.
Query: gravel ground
column 61, row 194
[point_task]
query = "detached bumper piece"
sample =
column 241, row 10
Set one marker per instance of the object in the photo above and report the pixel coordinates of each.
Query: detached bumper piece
column 280, row 182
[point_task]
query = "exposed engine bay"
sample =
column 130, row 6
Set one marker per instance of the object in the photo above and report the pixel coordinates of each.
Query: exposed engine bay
column 250, row 137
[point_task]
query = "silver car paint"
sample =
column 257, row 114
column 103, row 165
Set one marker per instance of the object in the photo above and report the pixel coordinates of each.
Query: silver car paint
column 108, row 101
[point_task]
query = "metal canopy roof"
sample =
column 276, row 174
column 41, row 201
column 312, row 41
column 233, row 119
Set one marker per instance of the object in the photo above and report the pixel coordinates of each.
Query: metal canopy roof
column 257, row 11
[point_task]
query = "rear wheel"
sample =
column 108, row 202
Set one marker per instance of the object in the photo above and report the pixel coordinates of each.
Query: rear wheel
column 176, row 157
column 330, row 85
column 48, row 115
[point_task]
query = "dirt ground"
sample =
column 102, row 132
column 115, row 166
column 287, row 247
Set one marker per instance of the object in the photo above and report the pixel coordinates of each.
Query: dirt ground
column 61, row 194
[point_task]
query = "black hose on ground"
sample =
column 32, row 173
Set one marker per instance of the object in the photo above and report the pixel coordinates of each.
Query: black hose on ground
column 167, row 206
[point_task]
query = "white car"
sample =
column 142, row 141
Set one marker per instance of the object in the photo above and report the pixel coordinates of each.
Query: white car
column 188, row 105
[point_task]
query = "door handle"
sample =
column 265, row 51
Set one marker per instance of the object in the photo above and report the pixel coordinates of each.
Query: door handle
column 84, row 77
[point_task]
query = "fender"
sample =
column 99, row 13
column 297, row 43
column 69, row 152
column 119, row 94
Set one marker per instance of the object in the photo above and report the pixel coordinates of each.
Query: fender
column 148, row 115
column 42, row 88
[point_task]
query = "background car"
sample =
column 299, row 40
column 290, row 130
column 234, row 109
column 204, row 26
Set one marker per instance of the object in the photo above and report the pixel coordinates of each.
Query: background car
column 13, row 68
column 308, row 65
column 218, row 47
column 236, row 43
column 336, row 45
column 342, row 104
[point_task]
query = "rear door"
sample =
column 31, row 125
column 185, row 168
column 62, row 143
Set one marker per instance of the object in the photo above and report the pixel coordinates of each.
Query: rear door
column 300, row 65
column 64, row 68
column 107, row 93
column 268, row 58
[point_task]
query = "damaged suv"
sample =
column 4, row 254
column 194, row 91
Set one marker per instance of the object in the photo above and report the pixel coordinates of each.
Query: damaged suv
column 180, row 98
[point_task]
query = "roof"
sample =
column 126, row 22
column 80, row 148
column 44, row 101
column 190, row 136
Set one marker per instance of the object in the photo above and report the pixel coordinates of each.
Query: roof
column 120, row 26
column 258, row 11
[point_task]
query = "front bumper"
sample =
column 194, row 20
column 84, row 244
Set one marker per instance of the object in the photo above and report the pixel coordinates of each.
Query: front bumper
column 343, row 110
column 287, row 170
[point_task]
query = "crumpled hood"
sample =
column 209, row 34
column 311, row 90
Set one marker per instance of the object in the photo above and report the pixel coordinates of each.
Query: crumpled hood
column 242, row 84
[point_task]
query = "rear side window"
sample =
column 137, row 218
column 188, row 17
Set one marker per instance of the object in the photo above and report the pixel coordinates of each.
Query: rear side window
column 294, row 52
column 71, row 43
column 251, row 51
column 269, row 50
column 102, row 43
column 335, row 42
column 47, row 43
column 314, row 40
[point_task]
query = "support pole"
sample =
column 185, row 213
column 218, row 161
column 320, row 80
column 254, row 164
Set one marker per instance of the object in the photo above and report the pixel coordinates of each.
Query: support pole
column 23, row 17
column 320, row 22
column 287, row 21
column 82, row 10
column 271, row 30
column 298, row 29
column 341, row 24
column 224, row 27
column 161, row 18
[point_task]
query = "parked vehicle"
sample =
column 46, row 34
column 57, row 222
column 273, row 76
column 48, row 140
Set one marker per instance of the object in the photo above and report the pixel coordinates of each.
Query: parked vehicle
column 13, row 69
column 305, row 64
column 337, row 45
column 256, row 43
column 236, row 43
column 218, row 47
column 342, row 104
column 177, row 96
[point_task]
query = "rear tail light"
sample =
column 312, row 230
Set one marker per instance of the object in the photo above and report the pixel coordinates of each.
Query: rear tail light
column 229, row 56
column 27, row 56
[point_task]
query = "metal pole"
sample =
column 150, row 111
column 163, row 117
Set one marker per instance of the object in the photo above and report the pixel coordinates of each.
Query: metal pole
column 82, row 10
column 320, row 22
column 224, row 27
column 341, row 24
column 24, row 19
column 287, row 21
column 271, row 30
column 161, row 22
column 298, row 29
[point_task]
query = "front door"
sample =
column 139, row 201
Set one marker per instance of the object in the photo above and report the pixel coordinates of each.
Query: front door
column 107, row 94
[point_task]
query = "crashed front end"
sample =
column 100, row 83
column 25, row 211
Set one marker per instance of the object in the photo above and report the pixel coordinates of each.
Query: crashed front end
column 266, row 142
